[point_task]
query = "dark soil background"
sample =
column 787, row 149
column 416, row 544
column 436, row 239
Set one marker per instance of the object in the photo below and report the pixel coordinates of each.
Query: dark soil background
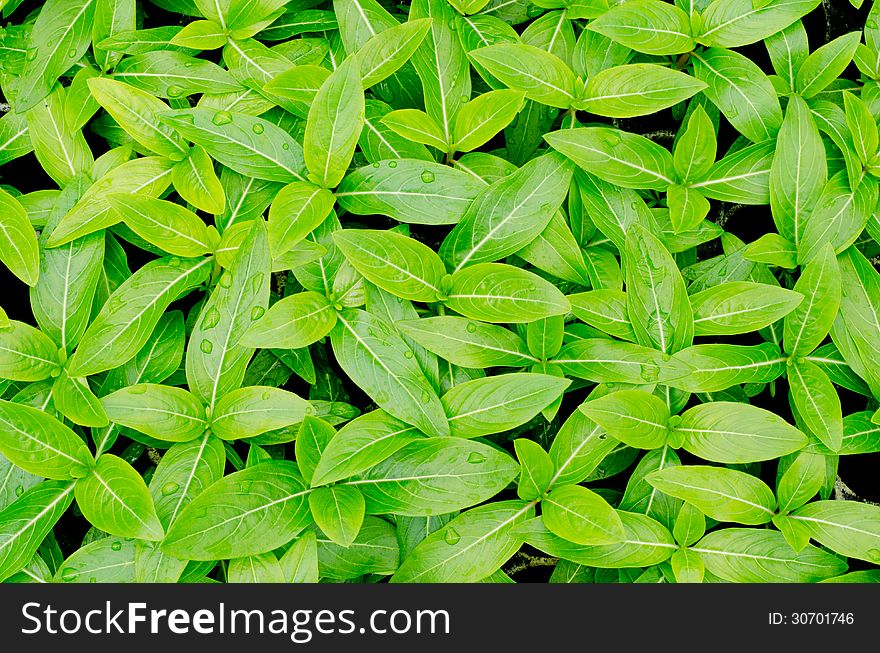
column 832, row 19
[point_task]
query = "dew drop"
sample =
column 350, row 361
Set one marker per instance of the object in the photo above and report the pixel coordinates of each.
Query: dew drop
column 257, row 281
column 207, row 346
column 169, row 488
column 392, row 164
column 266, row 396
column 19, row 490
column 650, row 374
column 427, row 176
column 226, row 279
column 310, row 410
column 376, row 164
column 68, row 575
column 174, row 262
column 453, row 24
column 471, row 327
column 476, row 458
column 452, row 537
column 71, row 53
column 31, row 55
column 222, row 118
column 257, row 312
column 116, row 546
column 407, row 354
column 258, row 128
column 175, row 91
column 426, row 397
column 138, row 389
column 285, row 146
column 212, row 317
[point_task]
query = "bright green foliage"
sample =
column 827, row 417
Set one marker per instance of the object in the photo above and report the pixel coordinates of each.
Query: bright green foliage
column 363, row 290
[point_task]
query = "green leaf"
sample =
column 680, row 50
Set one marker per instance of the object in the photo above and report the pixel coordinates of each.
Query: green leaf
column 40, row 444
column 137, row 112
column 26, row 353
column 604, row 309
column 742, row 92
column 251, row 146
column 816, row 402
column 578, row 448
column 115, row 499
column 196, row 182
column 772, row 249
column 300, row 563
column 690, row 525
column 727, row 432
column 386, row 52
column 19, row 250
column 186, row 469
column 215, row 359
column 106, row 560
column 74, row 399
column 799, row 171
column 695, row 150
column 336, row 118
column 146, row 175
column 687, row 566
column 748, row 555
column 125, row 322
column 540, row 75
column 483, row 117
column 373, row 354
column 742, row 176
column 394, row 262
column 714, row 368
column 167, row 225
column 468, row 343
column 634, row 417
column 826, row 64
column 499, row 403
column 618, row 157
column 254, row 410
column 263, row 568
column 361, row 444
column 536, row 469
column 603, row 360
column 76, row 268
column 722, row 494
column 648, row 26
column 800, row 482
column 732, row 23
column 435, row 476
column 469, row 548
column 656, row 297
column 60, row 148
column 849, row 528
column 808, row 324
column 374, row 551
column 409, row 190
column 245, row 513
column 293, row 322
column 495, row 292
column 313, row 437
column 579, row 515
column 740, row 307
column 645, row 543
column 637, row 90
column 338, row 511
column 509, row 214
column 25, row 523
column 60, row 36
column 296, row 211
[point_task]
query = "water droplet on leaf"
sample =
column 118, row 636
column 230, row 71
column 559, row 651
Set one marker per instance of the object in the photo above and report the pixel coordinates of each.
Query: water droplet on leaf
column 476, row 458
column 207, row 346
column 258, row 128
column 452, row 537
column 257, row 312
column 427, row 176
column 222, row 118
column 170, row 488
